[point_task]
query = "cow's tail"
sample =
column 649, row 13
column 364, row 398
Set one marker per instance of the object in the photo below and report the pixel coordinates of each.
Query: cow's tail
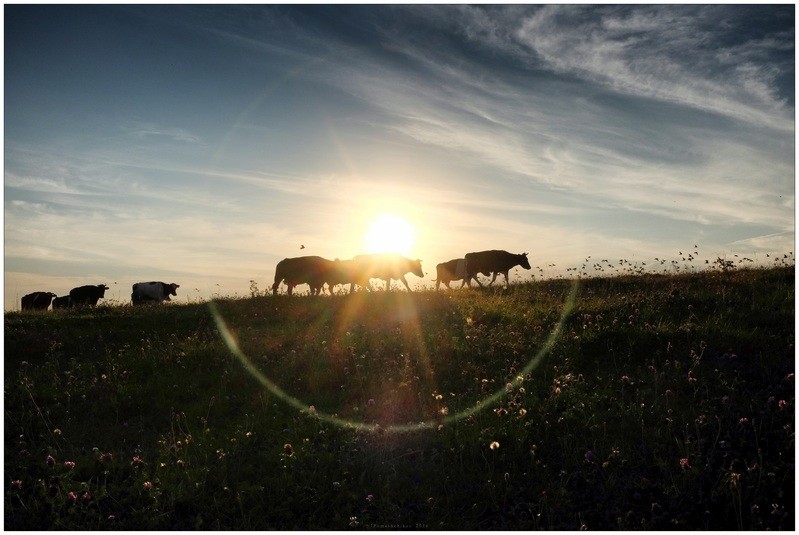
column 279, row 276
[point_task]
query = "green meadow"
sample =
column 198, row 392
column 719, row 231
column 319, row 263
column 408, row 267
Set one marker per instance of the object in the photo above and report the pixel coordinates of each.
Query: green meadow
column 623, row 402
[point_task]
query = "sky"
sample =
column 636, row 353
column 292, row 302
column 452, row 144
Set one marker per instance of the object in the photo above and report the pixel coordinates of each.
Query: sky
column 202, row 144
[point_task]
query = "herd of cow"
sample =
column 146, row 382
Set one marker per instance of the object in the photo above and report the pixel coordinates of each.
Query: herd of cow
column 314, row 271
column 143, row 292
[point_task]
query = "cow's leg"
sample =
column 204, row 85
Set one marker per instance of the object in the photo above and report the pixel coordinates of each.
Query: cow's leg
column 493, row 278
column 388, row 284
column 506, row 278
column 402, row 278
column 275, row 286
column 291, row 287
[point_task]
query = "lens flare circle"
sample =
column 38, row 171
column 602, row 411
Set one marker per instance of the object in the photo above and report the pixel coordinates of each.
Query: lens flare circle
column 488, row 401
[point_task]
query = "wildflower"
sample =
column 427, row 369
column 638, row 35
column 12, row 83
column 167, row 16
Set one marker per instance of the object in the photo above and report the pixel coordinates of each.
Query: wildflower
column 312, row 410
column 444, row 411
column 86, row 496
column 353, row 521
column 494, row 445
column 589, row 457
column 57, row 432
column 50, row 461
column 684, row 464
column 69, row 465
column 136, row 461
column 370, row 498
column 500, row 411
column 668, row 392
column 522, row 411
column 288, row 449
column 371, row 402
column 16, row 484
column 691, row 378
column 148, row 485
column 625, row 379
column 743, row 421
column 336, row 485
column 106, row 458
column 782, row 404
column 72, row 497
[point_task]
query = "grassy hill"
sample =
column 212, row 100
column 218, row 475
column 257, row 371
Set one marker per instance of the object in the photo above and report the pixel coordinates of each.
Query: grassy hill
column 648, row 402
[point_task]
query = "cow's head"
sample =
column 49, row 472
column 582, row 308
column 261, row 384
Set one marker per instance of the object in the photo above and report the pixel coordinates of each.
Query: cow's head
column 416, row 268
column 102, row 288
column 172, row 289
column 523, row 261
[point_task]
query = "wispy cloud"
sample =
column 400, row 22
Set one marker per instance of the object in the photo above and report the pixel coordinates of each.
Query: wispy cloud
column 160, row 133
column 671, row 54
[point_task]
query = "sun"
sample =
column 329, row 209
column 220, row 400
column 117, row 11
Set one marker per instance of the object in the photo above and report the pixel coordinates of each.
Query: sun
column 390, row 234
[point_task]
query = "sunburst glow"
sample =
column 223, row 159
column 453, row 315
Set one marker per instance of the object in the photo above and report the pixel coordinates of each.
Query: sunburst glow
column 390, row 233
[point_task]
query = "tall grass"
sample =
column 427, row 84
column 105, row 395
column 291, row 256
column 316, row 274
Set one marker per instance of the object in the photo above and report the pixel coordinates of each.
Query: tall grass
column 664, row 402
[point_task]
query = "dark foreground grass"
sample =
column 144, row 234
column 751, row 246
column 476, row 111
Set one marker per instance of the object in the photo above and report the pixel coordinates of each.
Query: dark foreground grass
column 664, row 403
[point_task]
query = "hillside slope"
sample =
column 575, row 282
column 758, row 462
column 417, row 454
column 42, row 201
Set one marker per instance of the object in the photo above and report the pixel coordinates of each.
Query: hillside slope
column 646, row 402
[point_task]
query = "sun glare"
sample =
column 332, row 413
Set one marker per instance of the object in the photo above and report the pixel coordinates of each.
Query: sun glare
column 390, row 233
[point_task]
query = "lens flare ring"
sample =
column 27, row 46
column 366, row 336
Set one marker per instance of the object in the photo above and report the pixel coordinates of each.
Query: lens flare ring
column 233, row 346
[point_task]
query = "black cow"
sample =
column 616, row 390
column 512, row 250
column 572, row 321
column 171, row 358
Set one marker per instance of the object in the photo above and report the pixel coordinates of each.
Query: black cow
column 310, row 270
column 385, row 266
column 86, row 295
column 152, row 292
column 37, row 300
column 495, row 261
column 61, row 302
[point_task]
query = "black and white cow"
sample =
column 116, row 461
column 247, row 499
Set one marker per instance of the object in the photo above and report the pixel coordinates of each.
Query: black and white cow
column 37, row 300
column 61, row 302
column 452, row 270
column 86, row 295
column 310, row 270
column 152, row 292
column 494, row 261
column 385, row 266
column 341, row 272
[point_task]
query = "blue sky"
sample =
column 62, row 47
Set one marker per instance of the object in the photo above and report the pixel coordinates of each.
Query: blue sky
column 202, row 144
